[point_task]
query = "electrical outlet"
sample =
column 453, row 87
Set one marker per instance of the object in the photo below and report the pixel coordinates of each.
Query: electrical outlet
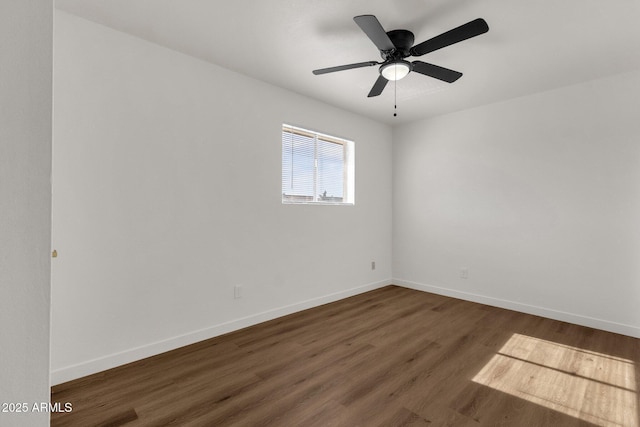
column 373, row 265
column 464, row 273
column 237, row 291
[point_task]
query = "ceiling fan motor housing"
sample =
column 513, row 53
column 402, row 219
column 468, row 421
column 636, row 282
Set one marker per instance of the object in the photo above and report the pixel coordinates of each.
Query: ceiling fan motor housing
column 403, row 41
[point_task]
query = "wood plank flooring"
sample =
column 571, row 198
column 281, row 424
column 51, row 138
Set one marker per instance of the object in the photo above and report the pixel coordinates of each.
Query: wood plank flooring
column 390, row 357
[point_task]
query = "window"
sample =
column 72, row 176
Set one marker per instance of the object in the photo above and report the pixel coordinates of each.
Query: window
column 316, row 168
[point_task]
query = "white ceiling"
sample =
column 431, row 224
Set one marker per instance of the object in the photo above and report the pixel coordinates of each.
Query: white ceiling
column 531, row 46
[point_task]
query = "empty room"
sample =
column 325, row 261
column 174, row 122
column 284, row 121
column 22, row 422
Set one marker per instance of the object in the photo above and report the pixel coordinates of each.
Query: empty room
column 305, row 213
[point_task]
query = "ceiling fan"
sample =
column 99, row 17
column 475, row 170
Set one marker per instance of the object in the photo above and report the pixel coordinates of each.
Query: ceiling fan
column 396, row 45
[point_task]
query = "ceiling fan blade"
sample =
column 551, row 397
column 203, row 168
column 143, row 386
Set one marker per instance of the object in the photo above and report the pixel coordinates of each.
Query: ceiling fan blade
column 373, row 29
column 344, row 67
column 458, row 34
column 440, row 73
column 378, row 86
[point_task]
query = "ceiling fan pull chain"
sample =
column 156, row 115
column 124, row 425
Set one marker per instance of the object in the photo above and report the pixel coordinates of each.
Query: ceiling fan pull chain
column 395, row 98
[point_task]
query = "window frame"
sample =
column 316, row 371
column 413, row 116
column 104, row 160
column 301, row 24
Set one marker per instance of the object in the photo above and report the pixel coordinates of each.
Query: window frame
column 348, row 166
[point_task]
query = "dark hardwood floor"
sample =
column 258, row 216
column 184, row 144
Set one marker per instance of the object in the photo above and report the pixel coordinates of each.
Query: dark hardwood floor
column 390, row 357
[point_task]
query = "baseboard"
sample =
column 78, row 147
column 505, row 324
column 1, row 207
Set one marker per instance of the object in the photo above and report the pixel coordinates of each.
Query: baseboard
column 80, row 370
column 605, row 325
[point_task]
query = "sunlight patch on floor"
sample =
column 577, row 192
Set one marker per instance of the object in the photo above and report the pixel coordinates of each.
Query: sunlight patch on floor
column 594, row 387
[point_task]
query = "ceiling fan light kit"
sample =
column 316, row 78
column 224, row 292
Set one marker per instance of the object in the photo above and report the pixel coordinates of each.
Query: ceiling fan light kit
column 396, row 45
column 396, row 70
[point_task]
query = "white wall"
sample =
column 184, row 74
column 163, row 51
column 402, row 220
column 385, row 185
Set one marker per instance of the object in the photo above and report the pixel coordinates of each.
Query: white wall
column 26, row 36
column 167, row 193
column 539, row 197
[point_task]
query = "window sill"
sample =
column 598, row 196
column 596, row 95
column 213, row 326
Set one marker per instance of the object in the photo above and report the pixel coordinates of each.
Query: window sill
column 319, row 203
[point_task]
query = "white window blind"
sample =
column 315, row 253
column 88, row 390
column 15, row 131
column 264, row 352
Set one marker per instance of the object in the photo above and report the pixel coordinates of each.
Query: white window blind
column 316, row 168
